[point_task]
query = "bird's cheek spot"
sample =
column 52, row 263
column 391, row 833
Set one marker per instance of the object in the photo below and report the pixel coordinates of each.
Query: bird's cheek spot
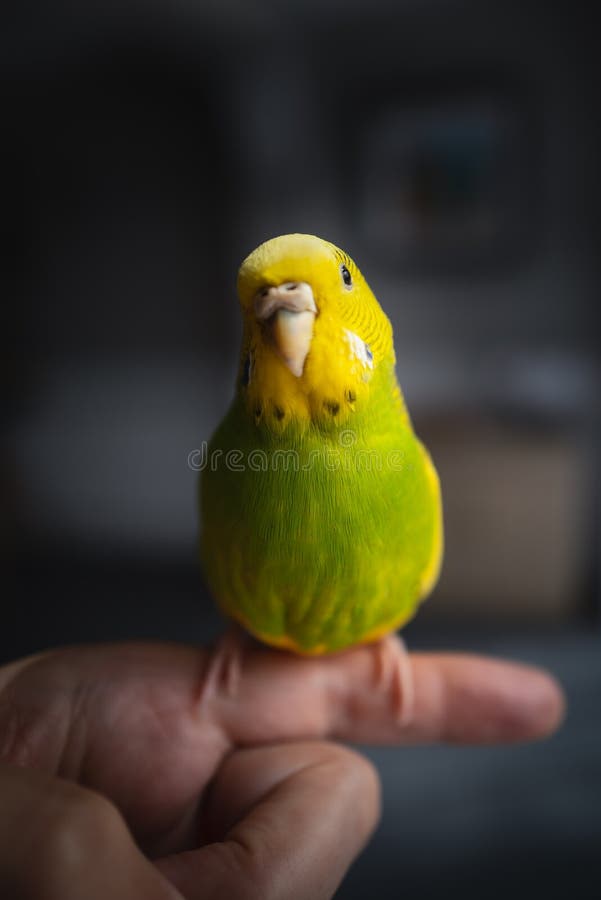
column 332, row 407
column 359, row 350
column 278, row 413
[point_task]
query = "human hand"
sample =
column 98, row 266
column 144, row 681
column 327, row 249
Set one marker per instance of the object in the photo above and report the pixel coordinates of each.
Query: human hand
column 162, row 772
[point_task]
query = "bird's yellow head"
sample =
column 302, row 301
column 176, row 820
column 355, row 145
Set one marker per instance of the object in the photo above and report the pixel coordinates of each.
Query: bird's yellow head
column 314, row 334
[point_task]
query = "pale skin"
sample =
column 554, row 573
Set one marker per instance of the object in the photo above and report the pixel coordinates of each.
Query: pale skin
column 162, row 771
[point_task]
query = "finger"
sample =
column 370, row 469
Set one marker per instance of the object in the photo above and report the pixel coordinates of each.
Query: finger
column 360, row 696
column 61, row 842
column 293, row 818
column 148, row 724
column 191, row 704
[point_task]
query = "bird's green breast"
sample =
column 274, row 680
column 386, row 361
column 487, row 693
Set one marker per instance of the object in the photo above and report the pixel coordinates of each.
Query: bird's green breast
column 319, row 538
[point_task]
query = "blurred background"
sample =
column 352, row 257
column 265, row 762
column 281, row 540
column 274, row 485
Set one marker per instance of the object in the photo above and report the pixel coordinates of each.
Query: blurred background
column 453, row 149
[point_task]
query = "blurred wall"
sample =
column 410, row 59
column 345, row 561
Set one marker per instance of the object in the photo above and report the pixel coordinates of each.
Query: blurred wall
column 146, row 151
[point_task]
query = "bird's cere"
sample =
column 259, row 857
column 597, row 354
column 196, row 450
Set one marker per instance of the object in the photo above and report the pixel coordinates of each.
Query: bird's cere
column 295, row 296
column 288, row 311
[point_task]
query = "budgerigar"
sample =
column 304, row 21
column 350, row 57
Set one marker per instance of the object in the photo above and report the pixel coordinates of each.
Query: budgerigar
column 321, row 521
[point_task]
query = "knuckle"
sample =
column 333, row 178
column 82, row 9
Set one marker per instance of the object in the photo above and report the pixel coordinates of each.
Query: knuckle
column 346, row 759
column 245, row 865
column 358, row 776
column 81, row 823
column 364, row 769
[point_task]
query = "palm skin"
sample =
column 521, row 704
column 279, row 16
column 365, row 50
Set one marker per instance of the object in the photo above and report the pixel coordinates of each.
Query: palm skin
column 218, row 762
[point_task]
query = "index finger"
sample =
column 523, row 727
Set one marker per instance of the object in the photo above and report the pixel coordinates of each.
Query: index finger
column 245, row 694
column 359, row 696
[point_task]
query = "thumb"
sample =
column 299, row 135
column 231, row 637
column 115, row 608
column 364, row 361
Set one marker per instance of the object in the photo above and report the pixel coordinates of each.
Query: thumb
column 59, row 841
column 286, row 822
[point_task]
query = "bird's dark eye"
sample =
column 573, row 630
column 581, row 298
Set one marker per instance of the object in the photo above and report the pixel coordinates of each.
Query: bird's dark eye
column 346, row 276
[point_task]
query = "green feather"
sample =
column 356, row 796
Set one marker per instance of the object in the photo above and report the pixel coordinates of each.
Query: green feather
column 321, row 535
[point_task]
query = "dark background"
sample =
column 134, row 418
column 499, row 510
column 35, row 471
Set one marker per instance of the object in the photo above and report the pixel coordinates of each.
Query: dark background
column 453, row 150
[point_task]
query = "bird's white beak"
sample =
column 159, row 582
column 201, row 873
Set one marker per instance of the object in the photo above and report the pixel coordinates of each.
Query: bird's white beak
column 289, row 312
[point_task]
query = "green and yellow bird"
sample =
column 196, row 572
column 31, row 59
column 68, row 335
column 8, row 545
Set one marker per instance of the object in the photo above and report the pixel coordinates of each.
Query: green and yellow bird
column 320, row 509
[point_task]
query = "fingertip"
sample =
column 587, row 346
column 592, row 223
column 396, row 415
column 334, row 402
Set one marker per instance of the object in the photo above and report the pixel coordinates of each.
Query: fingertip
column 544, row 704
column 530, row 703
column 468, row 699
